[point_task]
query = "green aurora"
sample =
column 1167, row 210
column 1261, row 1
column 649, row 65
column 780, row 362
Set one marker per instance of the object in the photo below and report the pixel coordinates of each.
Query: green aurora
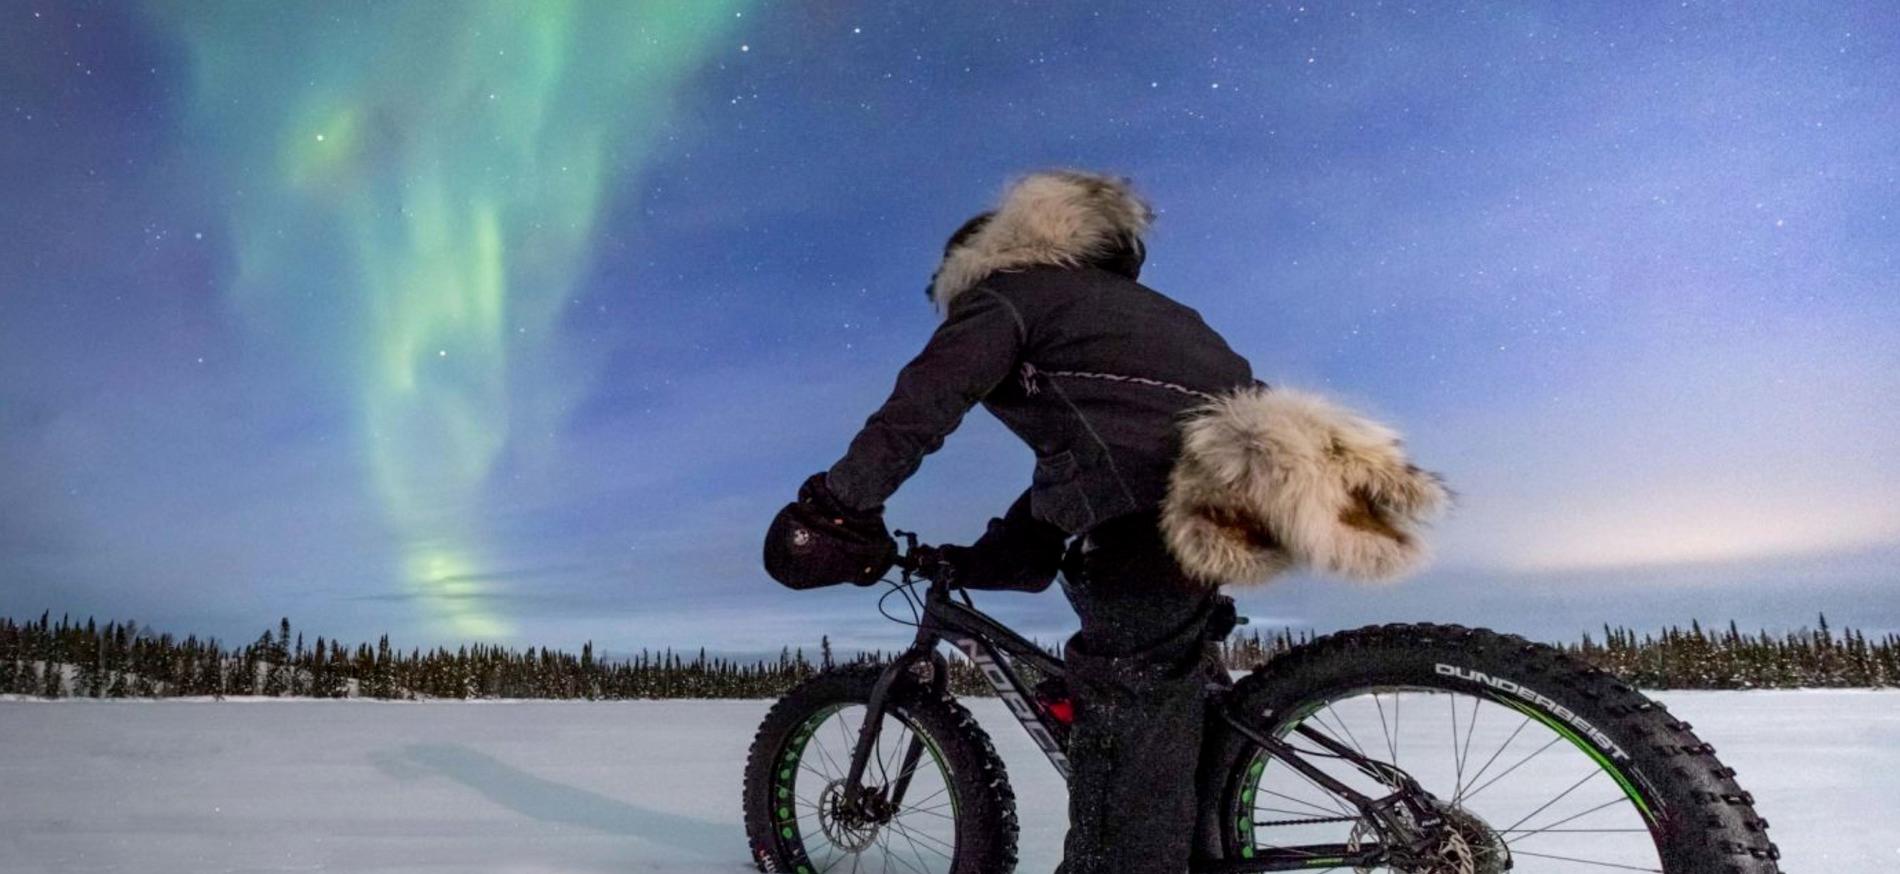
column 414, row 190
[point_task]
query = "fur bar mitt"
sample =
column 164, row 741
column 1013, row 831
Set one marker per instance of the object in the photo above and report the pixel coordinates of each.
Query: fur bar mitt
column 1270, row 479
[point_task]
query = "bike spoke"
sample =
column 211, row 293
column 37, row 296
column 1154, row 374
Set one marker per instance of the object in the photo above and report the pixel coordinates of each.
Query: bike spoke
column 826, row 754
column 1507, row 771
column 1389, row 747
column 1464, row 757
column 1494, row 756
column 947, row 850
column 1347, row 729
column 932, row 812
column 816, row 773
column 1594, row 772
column 1458, row 762
column 1397, row 738
column 1338, row 805
column 1584, row 861
column 838, row 856
column 941, row 791
column 1587, row 831
column 916, row 852
column 1552, row 828
column 884, row 842
column 850, row 743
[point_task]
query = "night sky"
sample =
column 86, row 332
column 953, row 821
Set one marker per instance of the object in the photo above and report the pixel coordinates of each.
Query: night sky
column 517, row 322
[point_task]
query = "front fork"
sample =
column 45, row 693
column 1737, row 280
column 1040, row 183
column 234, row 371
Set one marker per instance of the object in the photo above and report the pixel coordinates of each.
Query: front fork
column 905, row 668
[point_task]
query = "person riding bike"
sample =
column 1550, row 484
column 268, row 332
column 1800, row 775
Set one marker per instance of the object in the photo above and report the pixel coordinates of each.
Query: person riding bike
column 1046, row 326
column 1164, row 470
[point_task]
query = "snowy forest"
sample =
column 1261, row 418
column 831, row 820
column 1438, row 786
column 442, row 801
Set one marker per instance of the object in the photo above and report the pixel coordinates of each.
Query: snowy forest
column 64, row 658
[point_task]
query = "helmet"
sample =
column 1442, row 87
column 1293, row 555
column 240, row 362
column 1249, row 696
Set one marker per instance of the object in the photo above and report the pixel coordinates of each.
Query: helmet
column 806, row 550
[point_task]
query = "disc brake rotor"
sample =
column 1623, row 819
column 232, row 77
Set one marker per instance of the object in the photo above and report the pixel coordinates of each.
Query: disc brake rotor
column 843, row 829
column 1468, row 846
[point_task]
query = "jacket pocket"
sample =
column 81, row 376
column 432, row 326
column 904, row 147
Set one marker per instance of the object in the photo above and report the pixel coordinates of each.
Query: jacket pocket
column 1056, row 497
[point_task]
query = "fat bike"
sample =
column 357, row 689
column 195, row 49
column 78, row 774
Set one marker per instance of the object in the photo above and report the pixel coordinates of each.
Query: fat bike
column 1428, row 749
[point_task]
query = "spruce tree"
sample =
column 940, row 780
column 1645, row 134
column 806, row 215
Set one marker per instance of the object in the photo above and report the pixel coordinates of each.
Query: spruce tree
column 52, row 680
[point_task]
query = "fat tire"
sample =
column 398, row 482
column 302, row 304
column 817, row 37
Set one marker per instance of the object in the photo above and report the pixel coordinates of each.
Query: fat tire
column 1708, row 824
column 985, row 803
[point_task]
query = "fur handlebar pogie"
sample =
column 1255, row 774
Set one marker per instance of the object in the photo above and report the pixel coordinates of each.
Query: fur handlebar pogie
column 1270, row 479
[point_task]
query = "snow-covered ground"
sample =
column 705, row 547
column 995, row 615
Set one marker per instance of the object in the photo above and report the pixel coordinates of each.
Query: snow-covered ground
column 159, row 787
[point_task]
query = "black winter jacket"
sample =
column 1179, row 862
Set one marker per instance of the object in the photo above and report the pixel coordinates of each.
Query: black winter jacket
column 1088, row 367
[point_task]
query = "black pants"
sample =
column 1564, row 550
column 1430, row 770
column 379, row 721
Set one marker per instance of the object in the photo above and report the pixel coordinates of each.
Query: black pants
column 1139, row 670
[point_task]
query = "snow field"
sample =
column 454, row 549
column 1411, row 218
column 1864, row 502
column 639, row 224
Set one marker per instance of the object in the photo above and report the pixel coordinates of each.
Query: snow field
column 531, row 787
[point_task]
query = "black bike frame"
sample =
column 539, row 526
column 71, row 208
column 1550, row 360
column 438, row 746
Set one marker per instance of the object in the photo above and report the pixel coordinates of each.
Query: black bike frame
column 1397, row 819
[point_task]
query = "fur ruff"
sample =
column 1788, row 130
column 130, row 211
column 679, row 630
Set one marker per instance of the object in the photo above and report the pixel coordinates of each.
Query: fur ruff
column 1060, row 218
column 1272, row 479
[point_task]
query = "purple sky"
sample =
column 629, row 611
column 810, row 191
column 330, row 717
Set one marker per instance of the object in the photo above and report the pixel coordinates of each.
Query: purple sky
column 469, row 324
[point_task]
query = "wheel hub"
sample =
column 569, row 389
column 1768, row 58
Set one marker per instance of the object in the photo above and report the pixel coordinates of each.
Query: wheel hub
column 1469, row 845
column 843, row 822
column 1465, row 845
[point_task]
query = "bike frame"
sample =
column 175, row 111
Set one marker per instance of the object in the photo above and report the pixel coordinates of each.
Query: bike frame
column 1403, row 822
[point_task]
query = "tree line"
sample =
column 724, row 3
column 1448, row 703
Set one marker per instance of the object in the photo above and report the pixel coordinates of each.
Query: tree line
column 61, row 659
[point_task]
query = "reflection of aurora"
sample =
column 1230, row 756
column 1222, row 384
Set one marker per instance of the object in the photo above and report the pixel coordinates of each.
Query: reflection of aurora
column 414, row 192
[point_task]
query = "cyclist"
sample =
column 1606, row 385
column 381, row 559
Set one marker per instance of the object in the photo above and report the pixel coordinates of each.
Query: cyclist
column 1046, row 326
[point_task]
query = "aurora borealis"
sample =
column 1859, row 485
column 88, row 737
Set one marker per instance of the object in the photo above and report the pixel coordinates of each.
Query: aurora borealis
column 516, row 321
column 445, row 166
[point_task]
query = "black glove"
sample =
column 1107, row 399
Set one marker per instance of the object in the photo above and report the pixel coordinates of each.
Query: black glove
column 1016, row 553
column 817, row 541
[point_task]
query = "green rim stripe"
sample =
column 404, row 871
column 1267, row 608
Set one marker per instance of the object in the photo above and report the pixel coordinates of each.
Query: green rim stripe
column 1628, row 787
column 786, row 785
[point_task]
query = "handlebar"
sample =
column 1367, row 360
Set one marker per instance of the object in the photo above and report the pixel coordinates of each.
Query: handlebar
column 914, row 557
column 922, row 560
column 907, row 557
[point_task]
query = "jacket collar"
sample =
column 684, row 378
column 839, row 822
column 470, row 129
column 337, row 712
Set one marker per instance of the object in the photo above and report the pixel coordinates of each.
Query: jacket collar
column 1061, row 218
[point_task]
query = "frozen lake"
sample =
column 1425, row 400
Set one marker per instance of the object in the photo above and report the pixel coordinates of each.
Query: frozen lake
column 519, row 787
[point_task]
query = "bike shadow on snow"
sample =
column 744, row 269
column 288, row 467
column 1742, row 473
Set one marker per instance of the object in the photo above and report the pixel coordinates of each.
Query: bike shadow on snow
column 548, row 801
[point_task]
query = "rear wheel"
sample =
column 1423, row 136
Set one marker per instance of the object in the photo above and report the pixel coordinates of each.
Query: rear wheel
column 956, row 815
column 1535, row 761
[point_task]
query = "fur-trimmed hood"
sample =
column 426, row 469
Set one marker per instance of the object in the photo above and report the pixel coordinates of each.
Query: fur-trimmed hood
column 1060, row 218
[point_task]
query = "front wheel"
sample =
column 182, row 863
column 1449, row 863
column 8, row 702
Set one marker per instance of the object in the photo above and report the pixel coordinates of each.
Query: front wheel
column 939, row 799
column 1535, row 761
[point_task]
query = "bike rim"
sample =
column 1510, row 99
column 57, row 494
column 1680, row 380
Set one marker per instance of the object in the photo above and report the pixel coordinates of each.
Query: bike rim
column 1517, row 783
column 920, row 837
